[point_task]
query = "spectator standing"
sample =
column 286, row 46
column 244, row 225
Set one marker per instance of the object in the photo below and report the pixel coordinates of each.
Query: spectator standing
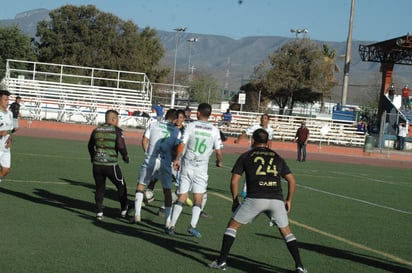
column 264, row 195
column 6, row 129
column 301, row 138
column 405, row 97
column 105, row 143
column 227, row 118
column 402, row 133
column 15, row 109
column 158, row 108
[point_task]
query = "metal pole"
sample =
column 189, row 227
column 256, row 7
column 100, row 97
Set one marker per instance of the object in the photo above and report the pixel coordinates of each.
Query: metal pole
column 172, row 103
column 348, row 57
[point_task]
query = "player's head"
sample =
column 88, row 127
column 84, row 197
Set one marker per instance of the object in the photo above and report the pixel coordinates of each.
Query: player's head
column 264, row 120
column 260, row 136
column 204, row 110
column 180, row 118
column 4, row 99
column 112, row 117
column 171, row 115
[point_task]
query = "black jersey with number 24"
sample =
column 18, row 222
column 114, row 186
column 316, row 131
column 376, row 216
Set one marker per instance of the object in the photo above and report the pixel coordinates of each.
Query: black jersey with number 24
column 264, row 169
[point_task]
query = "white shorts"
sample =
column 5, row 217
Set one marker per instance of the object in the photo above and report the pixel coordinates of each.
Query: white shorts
column 193, row 177
column 252, row 207
column 5, row 159
column 156, row 169
column 15, row 123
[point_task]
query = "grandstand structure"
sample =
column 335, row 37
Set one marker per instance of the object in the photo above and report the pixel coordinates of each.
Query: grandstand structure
column 67, row 93
column 75, row 94
column 322, row 130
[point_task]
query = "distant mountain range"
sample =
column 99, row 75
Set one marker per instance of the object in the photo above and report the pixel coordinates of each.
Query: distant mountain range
column 232, row 61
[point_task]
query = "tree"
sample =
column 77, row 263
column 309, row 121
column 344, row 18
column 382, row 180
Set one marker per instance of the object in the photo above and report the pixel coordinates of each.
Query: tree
column 14, row 45
column 85, row 36
column 204, row 88
column 293, row 73
column 329, row 68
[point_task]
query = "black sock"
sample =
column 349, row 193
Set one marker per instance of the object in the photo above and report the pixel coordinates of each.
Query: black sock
column 227, row 243
column 294, row 251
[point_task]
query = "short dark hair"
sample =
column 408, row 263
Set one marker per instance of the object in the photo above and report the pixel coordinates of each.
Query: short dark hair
column 171, row 114
column 205, row 109
column 4, row 93
column 260, row 136
column 110, row 113
column 181, row 112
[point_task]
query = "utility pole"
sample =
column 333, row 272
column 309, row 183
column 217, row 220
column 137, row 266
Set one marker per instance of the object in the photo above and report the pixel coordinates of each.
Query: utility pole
column 348, row 56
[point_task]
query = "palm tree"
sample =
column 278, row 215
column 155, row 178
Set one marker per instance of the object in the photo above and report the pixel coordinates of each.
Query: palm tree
column 329, row 68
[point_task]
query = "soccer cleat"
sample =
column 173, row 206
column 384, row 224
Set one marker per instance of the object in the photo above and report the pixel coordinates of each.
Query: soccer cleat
column 204, row 215
column 243, row 194
column 301, row 270
column 194, row 231
column 99, row 216
column 170, row 231
column 215, row 264
column 123, row 213
column 161, row 212
column 135, row 220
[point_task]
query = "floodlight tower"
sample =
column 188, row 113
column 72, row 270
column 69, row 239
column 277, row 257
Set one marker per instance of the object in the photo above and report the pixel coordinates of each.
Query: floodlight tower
column 178, row 30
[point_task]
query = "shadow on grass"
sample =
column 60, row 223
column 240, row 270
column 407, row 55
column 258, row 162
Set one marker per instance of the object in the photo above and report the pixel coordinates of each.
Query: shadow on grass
column 371, row 261
column 148, row 231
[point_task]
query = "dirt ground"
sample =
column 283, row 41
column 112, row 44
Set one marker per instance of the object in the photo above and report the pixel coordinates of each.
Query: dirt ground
column 338, row 154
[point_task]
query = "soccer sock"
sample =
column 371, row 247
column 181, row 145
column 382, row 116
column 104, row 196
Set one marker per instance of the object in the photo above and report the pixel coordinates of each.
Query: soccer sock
column 293, row 248
column 138, row 200
column 177, row 210
column 168, row 215
column 195, row 215
column 228, row 240
column 204, row 200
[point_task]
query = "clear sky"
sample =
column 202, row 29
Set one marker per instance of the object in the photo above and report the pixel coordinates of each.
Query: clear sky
column 326, row 20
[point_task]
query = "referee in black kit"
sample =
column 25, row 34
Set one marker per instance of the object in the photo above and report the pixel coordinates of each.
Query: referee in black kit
column 264, row 169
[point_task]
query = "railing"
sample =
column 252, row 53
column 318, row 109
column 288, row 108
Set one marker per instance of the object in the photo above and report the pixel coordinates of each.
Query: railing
column 77, row 94
column 322, row 130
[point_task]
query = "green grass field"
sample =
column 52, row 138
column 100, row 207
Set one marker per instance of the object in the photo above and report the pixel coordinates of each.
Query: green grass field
column 347, row 219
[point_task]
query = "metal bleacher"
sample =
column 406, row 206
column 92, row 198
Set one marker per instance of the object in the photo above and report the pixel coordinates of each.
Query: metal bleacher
column 78, row 94
column 322, row 130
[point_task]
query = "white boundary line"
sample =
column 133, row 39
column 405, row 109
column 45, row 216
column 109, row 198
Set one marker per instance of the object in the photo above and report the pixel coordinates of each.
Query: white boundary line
column 346, row 241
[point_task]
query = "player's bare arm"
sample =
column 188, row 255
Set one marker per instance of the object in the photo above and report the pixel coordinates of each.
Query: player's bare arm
column 290, row 178
column 179, row 151
column 234, row 188
column 219, row 156
column 145, row 143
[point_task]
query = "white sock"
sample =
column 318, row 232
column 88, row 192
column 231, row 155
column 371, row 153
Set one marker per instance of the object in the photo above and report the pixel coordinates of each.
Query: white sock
column 204, row 200
column 177, row 210
column 168, row 216
column 138, row 200
column 195, row 216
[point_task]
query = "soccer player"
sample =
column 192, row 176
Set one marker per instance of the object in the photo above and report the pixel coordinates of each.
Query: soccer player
column 263, row 169
column 199, row 141
column 264, row 124
column 105, row 142
column 6, row 129
column 159, row 140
